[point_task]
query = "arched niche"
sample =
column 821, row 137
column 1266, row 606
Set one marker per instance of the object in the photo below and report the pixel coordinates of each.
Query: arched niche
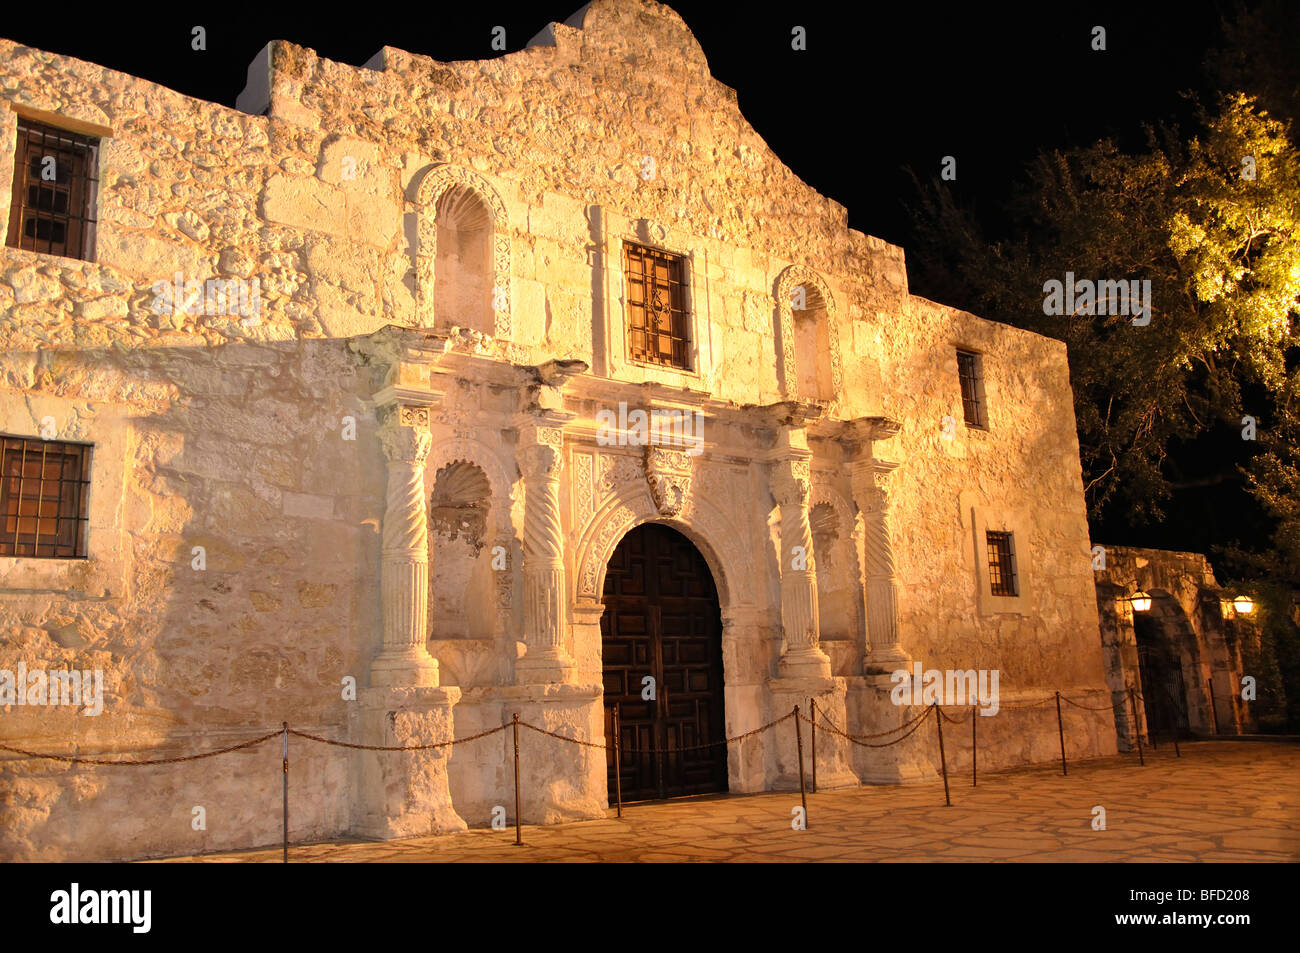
column 462, row 264
column 810, row 340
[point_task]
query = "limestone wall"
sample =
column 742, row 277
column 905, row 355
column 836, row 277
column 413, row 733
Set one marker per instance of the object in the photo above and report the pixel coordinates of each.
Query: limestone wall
column 232, row 435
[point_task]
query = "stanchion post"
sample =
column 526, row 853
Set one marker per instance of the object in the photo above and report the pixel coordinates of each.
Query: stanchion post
column 1137, row 729
column 1214, row 708
column 943, row 759
column 812, row 708
column 798, row 740
column 974, row 746
column 1060, row 729
column 284, row 725
column 519, row 833
column 618, row 759
column 1178, row 753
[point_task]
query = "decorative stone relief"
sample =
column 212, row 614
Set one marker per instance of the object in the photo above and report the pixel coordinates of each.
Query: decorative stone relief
column 669, row 475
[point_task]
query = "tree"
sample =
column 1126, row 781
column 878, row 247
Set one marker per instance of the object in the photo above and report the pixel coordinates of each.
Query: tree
column 1213, row 223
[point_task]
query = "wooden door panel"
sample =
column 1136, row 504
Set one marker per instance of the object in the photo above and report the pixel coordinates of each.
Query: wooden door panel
column 661, row 619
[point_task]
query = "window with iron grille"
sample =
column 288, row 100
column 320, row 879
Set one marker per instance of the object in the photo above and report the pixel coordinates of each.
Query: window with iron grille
column 44, row 497
column 1002, row 564
column 53, row 208
column 657, row 319
column 972, row 388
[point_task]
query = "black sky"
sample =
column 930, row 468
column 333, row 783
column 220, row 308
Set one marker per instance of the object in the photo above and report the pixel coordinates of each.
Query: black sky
column 879, row 88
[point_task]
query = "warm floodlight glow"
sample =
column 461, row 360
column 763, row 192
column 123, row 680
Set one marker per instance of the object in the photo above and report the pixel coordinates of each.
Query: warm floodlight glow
column 1244, row 604
column 1140, row 601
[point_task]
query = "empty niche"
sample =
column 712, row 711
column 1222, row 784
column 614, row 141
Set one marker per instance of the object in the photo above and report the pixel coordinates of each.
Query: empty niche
column 463, row 269
column 812, row 344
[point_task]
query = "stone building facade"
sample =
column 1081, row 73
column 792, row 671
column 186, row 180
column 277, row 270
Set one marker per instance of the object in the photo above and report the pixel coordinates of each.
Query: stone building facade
column 393, row 462
column 1184, row 655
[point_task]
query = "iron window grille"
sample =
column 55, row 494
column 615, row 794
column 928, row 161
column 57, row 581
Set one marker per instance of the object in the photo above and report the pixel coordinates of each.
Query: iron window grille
column 658, row 322
column 55, row 182
column 1002, row 564
column 972, row 389
column 44, row 497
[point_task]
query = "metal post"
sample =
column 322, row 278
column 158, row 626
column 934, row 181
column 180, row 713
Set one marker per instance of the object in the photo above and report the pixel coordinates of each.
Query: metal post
column 1137, row 729
column 1178, row 753
column 812, row 707
column 1214, row 708
column 285, row 816
column 974, row 745
column 618, row 759
column 519, row 834
column 943, row 760
column 798, row 740
column 1060, row 728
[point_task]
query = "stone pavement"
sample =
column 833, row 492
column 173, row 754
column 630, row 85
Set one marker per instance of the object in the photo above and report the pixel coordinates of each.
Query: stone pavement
column 1222, row 801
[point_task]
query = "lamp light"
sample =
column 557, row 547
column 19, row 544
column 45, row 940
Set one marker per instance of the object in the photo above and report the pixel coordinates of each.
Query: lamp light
column 1140, row 601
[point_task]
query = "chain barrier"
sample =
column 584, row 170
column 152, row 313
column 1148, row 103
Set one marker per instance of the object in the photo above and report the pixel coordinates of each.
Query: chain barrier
column 77, row 759
column 880, row 734
column 440, row 744
column 915, row 723
column 709, row 744
column 956, row 721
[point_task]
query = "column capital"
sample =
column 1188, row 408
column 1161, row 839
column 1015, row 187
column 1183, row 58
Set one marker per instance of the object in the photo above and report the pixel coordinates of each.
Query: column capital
column 404, row 434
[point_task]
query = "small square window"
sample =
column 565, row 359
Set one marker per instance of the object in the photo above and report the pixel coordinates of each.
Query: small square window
column 1002, row 563
column 53, row 206
column 657, row 320
column 44, row 498
column 970, row 370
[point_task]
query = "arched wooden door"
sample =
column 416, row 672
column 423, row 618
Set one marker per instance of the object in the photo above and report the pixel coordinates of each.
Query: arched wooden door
column 662, row 621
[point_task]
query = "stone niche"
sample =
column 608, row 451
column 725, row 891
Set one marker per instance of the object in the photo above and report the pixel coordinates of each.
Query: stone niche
column 463, row 267
column 462, row 593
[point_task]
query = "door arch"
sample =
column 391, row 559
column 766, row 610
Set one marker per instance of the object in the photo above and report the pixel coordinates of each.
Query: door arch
column 662, row 620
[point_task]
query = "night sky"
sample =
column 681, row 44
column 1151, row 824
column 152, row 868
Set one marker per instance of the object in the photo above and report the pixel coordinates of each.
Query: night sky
column 880, row 88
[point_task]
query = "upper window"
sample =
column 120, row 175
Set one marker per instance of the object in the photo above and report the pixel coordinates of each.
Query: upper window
column 657, row 319
column 53, row 208
column 971, row 371
column 1002, row 563
column 43, row 497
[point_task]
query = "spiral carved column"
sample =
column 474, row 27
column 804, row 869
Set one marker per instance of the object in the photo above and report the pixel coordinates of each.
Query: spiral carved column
column 872, row 499
column 791, row 484
column 541, row 462
column 404, row 659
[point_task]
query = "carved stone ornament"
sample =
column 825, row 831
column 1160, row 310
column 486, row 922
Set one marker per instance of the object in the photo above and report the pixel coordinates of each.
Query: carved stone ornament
column 669, row 474
column 651, row 232
column 791, row 481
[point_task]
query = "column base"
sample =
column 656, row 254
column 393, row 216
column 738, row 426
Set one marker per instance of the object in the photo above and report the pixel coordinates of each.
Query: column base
column 804, row 663
column 915, row 758
column 886, row 660
column 558, row 780
column 405, row 793
column 833, row 762
column 548, row 668
column 405, row 668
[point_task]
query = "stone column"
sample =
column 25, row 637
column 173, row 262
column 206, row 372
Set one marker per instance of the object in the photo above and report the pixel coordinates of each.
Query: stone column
column 404, row 659
column 802, row 655
column 872, row 498
column 541, row 460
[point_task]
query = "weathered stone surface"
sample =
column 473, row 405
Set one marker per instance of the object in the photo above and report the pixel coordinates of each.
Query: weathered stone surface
column 261, row 484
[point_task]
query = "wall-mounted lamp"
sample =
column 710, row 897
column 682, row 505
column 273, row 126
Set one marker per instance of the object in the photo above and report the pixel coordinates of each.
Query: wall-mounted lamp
column 1244, row 604
column 1140, row 601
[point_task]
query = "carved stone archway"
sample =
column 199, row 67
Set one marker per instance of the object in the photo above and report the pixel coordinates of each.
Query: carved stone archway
column 793, row 277
column 435, row 183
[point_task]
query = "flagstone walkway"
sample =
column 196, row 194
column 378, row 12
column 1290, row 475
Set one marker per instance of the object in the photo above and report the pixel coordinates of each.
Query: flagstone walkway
column 1222, row 801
